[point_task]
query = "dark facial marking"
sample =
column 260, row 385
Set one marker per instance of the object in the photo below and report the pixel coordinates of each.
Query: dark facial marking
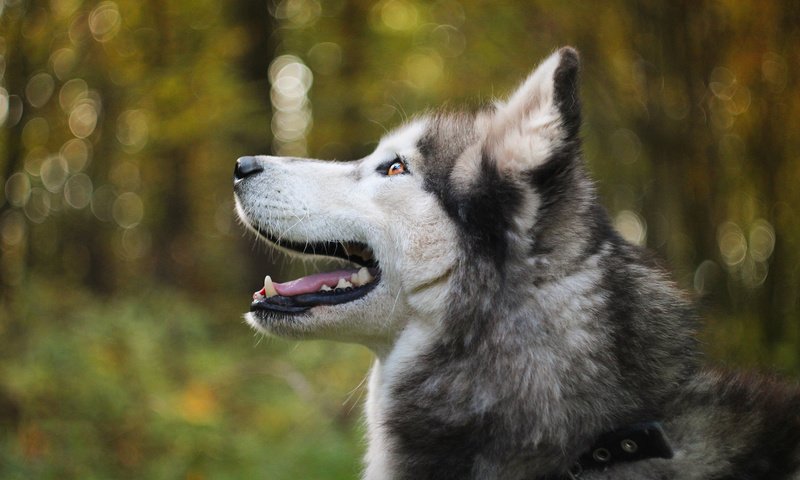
column 485, row 212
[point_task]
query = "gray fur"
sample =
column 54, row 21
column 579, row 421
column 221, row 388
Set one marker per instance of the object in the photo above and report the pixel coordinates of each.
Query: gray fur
column 554, row 330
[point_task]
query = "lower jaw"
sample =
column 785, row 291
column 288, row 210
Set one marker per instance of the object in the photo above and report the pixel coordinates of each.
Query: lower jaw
column 279, row 324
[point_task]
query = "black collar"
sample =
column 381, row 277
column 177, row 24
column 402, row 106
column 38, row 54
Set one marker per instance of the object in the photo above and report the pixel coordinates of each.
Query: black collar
column 636, row 442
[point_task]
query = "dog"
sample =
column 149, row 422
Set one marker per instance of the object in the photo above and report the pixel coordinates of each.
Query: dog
column 516, row 334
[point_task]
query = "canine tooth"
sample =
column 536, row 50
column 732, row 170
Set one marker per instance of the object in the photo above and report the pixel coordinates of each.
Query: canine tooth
column 269, row 288
column 364, row 277
column 355, row 280
column 325, row 288
column 343, row 283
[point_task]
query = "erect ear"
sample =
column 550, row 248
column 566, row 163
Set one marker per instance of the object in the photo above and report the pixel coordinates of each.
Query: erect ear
column 539, row 118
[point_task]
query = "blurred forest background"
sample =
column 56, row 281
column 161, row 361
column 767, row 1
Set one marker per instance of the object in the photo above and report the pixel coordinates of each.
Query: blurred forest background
column 123, row 273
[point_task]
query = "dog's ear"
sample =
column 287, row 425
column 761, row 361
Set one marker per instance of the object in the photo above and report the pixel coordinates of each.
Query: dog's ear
column 539, row 118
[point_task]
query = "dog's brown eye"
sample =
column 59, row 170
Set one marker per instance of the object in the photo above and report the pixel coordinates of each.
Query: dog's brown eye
column 396, row 168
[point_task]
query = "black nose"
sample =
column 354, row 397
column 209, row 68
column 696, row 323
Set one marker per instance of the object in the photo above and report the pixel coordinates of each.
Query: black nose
column 246, row 166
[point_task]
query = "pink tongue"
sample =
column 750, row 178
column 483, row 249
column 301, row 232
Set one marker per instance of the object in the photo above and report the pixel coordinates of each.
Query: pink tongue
column 312, row 283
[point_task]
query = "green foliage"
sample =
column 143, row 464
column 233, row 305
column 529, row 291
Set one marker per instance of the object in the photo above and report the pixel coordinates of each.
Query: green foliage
column 123, row 273
column 154, row 387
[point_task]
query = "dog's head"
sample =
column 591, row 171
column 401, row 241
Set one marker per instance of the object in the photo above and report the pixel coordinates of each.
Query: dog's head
column 448, row 206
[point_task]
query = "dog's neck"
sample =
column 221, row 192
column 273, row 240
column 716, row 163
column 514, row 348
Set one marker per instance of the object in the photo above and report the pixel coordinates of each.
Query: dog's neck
column 413, row 345
column 543, row 375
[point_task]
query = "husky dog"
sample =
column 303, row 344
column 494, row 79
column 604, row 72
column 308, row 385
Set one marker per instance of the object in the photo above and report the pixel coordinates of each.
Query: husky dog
column 516, row 334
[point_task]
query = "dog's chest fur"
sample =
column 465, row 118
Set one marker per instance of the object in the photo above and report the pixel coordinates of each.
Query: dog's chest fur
column 502, row 401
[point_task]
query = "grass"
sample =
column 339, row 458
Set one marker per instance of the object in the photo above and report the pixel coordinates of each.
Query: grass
column 154, row 385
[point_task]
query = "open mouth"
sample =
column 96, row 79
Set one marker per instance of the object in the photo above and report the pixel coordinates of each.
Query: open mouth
column 325, row 288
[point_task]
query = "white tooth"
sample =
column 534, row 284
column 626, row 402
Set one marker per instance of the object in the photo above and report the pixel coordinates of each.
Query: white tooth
column 364, row 277
column 343, row 283
column 355, row 280
column 325, row 288
column 269, row 288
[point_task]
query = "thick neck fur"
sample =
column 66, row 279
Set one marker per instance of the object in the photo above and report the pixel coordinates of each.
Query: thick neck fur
column 529, row 369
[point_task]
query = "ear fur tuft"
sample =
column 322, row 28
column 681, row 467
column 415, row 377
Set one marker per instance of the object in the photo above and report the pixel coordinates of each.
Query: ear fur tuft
column 539, row 117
